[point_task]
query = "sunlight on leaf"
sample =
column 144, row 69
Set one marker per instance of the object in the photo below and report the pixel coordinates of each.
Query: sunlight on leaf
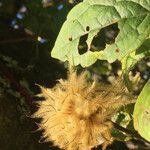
column 90, row 16
column 142, row 112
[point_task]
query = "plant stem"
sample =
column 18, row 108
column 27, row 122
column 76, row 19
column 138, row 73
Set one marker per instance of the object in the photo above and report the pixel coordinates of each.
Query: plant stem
column 129, row 132
column 18, row 86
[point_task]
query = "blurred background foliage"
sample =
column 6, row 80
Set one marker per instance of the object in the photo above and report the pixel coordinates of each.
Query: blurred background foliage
column 28, row 30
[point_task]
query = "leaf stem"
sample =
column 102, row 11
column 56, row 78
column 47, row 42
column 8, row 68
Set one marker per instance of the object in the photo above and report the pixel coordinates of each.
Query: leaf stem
column 129, row 132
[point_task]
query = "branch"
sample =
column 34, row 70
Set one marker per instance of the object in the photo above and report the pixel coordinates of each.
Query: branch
column 17, row 85
column 18, row 40
column 129, row 132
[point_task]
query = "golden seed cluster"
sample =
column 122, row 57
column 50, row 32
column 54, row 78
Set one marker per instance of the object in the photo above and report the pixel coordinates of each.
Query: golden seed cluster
column 76, row 115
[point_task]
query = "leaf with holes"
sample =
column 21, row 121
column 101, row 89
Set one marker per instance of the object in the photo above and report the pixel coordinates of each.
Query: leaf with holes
column 90, row 16
column 142, row 112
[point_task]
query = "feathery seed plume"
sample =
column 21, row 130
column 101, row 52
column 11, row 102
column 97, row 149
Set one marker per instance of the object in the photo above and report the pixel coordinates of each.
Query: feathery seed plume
column 76, row 114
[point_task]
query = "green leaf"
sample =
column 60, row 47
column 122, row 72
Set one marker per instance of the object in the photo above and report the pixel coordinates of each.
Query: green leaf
column 90, row 16
column 144, row 49
column 131, row 59
column 127, row 63
column 142, row 112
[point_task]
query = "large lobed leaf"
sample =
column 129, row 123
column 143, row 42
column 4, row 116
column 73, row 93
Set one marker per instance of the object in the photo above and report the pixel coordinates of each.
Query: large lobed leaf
column 142, row 112
column 90, row 16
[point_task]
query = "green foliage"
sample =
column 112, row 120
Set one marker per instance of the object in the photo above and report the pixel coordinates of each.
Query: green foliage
column 130, row 60
column 90, row 16
column 142, row 112
column 83, row 25
column 41, row 20
column 6, row 85
column 95, row 30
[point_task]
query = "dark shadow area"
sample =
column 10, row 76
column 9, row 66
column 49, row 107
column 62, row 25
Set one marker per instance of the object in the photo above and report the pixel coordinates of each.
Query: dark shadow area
column 105, row 36
column 83, row 47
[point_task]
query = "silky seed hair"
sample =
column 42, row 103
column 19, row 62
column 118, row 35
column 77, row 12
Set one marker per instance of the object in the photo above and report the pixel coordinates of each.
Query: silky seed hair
column 76, row 114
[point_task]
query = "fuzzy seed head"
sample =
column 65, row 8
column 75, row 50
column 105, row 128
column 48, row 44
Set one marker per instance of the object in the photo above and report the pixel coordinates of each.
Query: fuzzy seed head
column 76, row 114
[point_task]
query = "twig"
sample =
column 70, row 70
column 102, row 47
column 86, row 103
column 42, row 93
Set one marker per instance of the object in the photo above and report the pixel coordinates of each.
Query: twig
column 129, row 132
column 20, row 88
column 18, row 40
